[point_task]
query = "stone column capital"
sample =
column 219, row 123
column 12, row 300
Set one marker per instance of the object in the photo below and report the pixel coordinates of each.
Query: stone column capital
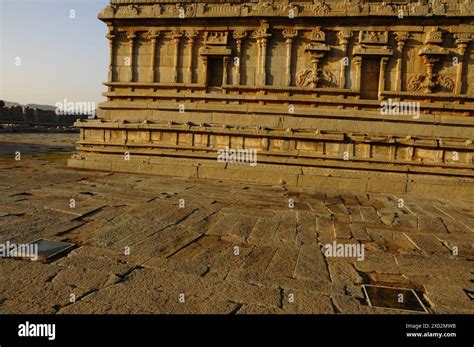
column 357, row 61
column 344, row 36
column 111, row 34
column 290, row 34
column 191, row 35
column 239, row 34
column 462, row 41
column 152, row 35
column 131, row 34
column 175, row 35
column 262, row 31
column 401, row 36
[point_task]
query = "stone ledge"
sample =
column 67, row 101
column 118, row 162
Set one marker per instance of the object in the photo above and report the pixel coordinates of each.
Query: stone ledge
column 269, row 174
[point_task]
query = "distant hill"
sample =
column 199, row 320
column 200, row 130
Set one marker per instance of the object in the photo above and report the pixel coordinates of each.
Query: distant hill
column 42, row 107
column 39, row 107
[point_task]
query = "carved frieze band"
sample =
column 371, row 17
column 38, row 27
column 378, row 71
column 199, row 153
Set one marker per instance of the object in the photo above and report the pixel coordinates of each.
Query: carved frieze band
column 316, row 8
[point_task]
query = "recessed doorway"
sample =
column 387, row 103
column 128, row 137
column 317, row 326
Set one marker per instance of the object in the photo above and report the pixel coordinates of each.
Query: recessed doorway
column 215, row 71
column 370, row 75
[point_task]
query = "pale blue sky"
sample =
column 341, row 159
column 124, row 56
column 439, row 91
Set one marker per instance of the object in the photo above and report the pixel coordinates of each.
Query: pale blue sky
column 61, row 57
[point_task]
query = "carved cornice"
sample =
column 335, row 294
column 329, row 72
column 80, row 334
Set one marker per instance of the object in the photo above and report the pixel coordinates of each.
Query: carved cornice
column 270, row 8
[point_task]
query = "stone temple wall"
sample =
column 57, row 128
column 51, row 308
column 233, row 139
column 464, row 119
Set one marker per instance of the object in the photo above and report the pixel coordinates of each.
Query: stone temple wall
column 363, row 95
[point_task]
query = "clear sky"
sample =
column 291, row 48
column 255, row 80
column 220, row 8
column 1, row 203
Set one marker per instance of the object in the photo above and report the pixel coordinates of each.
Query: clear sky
column 59, row 57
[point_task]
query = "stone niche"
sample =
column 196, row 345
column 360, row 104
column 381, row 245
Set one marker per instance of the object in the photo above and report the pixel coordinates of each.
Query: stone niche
column 310, row 85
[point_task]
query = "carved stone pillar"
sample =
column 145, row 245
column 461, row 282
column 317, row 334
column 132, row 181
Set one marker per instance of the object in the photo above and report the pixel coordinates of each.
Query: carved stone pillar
column 239, row 36
column 204, row 69
column 224, row 73
column 191, row 36
column 383, row 65
column 344, row 37
column 358, row 72
column 176, row 36
column 462, row 41
column 131, row 35
column 263, row 57
column 262, row 37
column 152, row 36
column 401, row 38
column 111, row 36
column 289, row 35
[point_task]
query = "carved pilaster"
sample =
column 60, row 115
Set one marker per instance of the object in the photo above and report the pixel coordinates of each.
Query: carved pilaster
column 462, row 42
column 401, row 38
column 289, row 35
column 239, row 36
column 226, row 64
column 176, row 37
column 262, row 36
column 131, row 35
column 358, row 71
column 383, row 66
column 152, row 37
column 204, row 69
column 111, row 36
column 344, row 36
column 191, row 37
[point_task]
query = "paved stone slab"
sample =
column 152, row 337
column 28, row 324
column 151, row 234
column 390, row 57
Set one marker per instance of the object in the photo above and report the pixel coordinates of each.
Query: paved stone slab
column 232, row 248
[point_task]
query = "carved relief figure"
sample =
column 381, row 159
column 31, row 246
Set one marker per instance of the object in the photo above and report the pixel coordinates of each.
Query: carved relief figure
column 320, row 7
column 308, row 77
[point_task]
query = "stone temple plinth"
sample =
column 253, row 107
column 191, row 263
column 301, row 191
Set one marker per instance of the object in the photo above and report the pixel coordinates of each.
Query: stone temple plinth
column 361, row 95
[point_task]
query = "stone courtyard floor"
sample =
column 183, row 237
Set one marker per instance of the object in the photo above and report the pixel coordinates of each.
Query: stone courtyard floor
column 215, row 247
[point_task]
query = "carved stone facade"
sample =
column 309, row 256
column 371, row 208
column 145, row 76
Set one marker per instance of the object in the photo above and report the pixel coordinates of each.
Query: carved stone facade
column 301, row 82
